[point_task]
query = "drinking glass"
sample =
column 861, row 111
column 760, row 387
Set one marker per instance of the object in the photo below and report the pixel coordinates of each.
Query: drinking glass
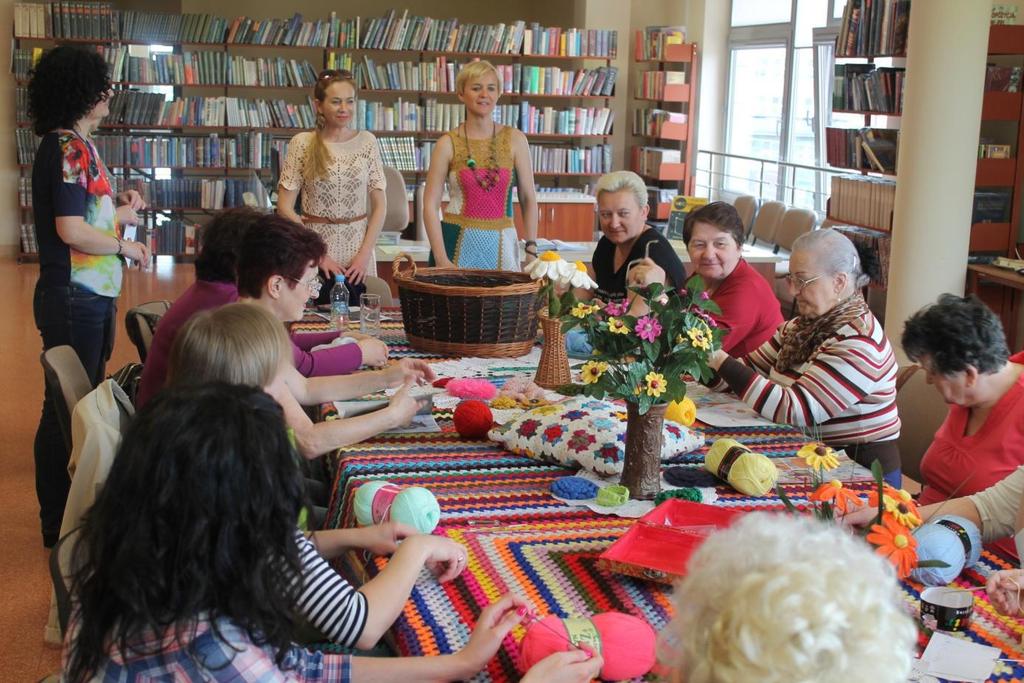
column 369, row 314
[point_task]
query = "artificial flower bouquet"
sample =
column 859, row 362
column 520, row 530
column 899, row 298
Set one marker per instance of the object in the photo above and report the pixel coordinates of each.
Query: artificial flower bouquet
column 891, row 530
column 644, row 360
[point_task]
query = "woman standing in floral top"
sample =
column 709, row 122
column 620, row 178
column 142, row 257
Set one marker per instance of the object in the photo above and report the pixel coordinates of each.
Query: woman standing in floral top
column 336, row 167
column 81, row 251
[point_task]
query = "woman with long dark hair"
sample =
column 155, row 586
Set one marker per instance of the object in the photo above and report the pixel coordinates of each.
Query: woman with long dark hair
column 79, row 226
column 188, row 565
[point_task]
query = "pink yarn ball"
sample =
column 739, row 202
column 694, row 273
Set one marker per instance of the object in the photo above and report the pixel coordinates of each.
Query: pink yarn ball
column 627, row 644
column 472, row 388
column 473, row 419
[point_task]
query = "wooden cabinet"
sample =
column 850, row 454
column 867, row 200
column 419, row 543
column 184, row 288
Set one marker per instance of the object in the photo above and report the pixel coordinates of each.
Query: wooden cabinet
column 572, row 222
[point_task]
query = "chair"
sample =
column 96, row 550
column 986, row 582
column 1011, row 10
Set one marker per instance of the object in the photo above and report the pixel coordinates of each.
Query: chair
column 794, row 222
column 397, row 216
column 66, row 378
column 378, row 286
column 746, row 207
column 60, row 562
column 922, row 411
column 766, row 222
column 140, row 323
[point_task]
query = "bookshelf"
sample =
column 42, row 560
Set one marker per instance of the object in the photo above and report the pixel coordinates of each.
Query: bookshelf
column 241, row 88
column 664, row 115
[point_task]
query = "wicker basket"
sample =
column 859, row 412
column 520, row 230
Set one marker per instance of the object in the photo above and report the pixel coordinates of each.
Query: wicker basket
column 450, row 311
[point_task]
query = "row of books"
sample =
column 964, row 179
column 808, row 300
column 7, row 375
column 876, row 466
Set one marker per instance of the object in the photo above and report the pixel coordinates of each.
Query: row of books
column 863, row 200
column 552, row 121
column 391, row 31
column 878, row 243
column 1003, row 78
column 197, row 193
column 129, row 107
column 206, row 67
column 26, row 143
column 243, row 150
column 596, row 159
column 868, row 149
column 404, row 115
column 989, row 150
column 873, row 28
column 658, row 85
column 864, row 87
column 21, row 103
column 648, row 161
column 401, row 152
column 992, row 206
column 25, row 191
column 23, row 60
column 29, row 245
column 651, row 43
column 654, row 122
column 176, row 237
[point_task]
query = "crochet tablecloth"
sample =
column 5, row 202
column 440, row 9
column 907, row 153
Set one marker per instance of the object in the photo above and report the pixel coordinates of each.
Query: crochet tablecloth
column 519, row 538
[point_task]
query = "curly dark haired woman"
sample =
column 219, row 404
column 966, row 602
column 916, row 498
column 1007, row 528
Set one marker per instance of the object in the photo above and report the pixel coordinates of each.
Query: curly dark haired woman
column 79, row 229
column 199, row 580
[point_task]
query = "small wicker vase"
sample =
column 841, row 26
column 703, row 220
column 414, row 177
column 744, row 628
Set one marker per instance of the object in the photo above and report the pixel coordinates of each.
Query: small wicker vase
column 553, row 369
column 641, row 472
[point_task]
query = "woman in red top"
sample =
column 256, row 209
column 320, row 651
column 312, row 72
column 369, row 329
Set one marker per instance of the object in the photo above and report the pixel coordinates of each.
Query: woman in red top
column 960, row 344
column 714, row 238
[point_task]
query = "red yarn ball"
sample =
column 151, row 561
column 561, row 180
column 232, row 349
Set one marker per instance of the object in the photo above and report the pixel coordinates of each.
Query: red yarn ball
column 473, row 419
column 627, row 644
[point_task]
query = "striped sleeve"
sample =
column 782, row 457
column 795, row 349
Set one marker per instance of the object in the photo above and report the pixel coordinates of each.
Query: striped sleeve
column 328, row 601
column 849, row 367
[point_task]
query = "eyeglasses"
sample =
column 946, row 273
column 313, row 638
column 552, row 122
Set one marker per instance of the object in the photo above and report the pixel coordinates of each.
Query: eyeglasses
column 341, row 74
column 314, row 285
column 798, row 283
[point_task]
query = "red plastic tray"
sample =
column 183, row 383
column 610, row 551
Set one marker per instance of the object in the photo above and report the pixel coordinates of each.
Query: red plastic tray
column 660, row 544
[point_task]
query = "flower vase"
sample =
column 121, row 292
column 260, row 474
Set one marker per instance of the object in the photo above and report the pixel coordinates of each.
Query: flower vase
column 641, row 472
column 553, row 369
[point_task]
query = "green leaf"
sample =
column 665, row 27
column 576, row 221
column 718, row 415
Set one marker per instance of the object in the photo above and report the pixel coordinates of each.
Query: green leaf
column 786, row 502
column 928, row 564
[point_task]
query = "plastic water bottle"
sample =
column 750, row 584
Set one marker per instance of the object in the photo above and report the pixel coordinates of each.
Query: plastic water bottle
column 339, row 303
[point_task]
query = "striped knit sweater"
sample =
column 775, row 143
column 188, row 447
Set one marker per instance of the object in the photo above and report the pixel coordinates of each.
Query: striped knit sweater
column 846, row 392
column 328, row 601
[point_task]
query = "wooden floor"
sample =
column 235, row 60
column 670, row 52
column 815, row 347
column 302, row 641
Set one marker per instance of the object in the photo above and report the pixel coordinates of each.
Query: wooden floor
column 24, row 577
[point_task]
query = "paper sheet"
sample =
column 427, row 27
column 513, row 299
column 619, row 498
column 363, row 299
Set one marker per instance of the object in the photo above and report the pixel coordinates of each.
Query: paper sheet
column 955, row 659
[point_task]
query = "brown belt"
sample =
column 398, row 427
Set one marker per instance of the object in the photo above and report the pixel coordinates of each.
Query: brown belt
column 306, row 218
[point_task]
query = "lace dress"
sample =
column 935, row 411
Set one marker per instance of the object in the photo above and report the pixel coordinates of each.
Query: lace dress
column 336, row 206
column 477, row 226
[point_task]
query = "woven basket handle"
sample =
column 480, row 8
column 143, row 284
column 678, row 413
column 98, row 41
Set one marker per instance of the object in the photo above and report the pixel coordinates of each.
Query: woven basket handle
column 398, row 261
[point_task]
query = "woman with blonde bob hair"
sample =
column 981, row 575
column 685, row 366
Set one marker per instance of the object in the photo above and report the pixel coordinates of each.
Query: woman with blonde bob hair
column 336, row 167
column 480, row 160
column 813, row 603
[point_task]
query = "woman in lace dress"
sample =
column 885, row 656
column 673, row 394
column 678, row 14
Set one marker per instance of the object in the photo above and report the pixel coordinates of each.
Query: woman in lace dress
column 336, row 168
column 481, row 160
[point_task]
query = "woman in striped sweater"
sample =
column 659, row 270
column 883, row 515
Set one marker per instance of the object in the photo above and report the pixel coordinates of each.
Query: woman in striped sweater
column 830, row 370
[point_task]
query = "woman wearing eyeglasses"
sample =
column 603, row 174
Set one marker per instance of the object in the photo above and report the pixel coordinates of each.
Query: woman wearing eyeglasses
column 831, row 369
column 335, row 168
column 79, row 226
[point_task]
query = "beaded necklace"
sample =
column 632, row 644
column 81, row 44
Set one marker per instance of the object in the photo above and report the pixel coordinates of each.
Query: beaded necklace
column 486, row 177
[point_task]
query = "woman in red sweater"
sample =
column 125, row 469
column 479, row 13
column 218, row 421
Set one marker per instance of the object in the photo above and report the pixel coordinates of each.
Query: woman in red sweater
column 714, row 237
column 960, row 344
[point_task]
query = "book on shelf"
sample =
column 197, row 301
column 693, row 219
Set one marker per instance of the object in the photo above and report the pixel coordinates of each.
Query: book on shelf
column 23, row 60
column 653, row 85
column 176, row 237
column 26, row 142
column 652, row 41
column 878, row 243
column 29, row 245
column 866, row 88
column 1003, row 78
column 864, row 200
column 196, row 193
column 649, row 160
column 988, row 150
column 873, row 28
column 594, row 160
column 553, row 121
column 992, row 205
column 651, row 121
column 868, row 149
column 25, row 191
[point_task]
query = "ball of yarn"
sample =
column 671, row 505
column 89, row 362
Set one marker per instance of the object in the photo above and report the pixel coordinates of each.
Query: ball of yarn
column 751, row 473
column 573, row 488
column 472, row 388
column 683, row 475
column 626, row 643
column 684, row 412
column 950, row 539
column 472, row 419
column 380, row 501
column 685, row 493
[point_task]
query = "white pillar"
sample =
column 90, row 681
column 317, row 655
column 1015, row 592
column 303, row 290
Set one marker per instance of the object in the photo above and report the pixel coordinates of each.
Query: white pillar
column 946, row 51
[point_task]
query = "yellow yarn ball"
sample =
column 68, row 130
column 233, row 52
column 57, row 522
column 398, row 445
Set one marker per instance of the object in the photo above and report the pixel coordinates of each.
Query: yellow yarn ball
column 684, row 412
column 751, row 473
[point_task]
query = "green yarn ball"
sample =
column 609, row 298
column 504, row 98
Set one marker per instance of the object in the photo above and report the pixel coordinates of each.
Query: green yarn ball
column 414, row 505
column 686, row 493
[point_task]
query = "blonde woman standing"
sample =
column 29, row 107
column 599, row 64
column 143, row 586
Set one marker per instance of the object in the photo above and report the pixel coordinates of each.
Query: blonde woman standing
column 481, row 160
column 336, row 168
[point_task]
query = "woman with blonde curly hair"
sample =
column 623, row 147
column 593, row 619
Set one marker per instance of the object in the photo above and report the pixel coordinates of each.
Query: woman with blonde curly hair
column 334, row 167
column 812, row 603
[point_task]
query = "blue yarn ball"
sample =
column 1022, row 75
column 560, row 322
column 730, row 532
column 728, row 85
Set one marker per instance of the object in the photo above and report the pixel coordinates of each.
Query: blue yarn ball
column 936, row 541
column 573, row 488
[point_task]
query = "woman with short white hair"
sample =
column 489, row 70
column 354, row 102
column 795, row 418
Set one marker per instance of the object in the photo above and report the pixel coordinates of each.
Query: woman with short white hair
column 811, row 603
column 829, row 371
column 622, row 214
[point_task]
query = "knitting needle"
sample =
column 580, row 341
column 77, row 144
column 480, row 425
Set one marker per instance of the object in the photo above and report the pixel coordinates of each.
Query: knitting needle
column 532, row 618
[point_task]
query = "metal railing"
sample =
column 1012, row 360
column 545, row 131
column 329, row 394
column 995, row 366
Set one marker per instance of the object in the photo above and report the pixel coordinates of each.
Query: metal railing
column 720, row 175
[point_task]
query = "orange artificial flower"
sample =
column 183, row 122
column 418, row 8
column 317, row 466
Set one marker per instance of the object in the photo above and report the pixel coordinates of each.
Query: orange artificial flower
column 899, row 504
column 843, row 498
column 894, row 541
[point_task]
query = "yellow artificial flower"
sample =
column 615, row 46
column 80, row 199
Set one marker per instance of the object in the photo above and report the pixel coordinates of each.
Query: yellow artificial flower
column 582, row 310
column 684, row 412
column 616, row 326
column 700, row 337
column 819, row 456
column 655, row 384
column 592, row 371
